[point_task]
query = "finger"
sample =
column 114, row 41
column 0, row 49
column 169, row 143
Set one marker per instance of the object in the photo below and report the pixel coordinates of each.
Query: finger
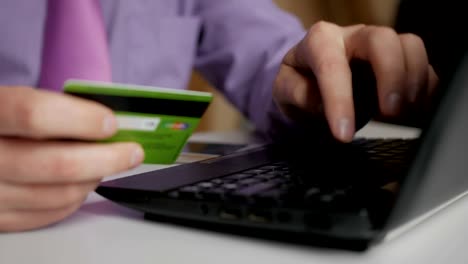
column 13, row 221
column 433, row 82
column 28, row 161
column 382, row 48
column 41, row 114
column 416, row 62
column 294, row 88
column 323, row 51
column 34, row 197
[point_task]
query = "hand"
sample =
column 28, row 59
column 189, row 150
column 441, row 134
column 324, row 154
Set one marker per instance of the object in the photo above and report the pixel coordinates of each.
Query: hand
column 315, row 75
column 43, row 177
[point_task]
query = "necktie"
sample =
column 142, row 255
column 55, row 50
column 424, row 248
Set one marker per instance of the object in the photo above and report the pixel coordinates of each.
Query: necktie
column 75, row 44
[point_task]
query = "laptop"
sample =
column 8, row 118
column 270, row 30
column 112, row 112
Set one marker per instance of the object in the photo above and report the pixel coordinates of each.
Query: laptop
column 313, row 190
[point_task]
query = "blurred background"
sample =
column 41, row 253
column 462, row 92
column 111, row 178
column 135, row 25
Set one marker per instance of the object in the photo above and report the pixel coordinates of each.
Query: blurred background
column 222, row 116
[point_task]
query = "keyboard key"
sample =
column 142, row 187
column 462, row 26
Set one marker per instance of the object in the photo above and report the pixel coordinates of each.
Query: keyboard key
column 206, row 185
column 269, row 175
column 280, row 196
column 230, row 186
column 312, row 196
column 217, row 181
column 255, row 189
column 189, row 192
column 249, row 181
column 327, row 199
column 216, row 194
column 238, row 176
column 255, row 171
column 269, row 168
column 173, row 194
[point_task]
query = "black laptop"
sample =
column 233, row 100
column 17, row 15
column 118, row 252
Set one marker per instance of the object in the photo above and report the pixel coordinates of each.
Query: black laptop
column 315, row 190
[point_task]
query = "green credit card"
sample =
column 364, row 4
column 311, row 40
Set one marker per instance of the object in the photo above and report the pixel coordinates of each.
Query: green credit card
column 160, row 119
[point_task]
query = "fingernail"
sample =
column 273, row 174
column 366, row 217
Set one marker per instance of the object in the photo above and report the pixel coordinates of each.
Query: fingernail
column 345, row 129
column 137, row 157
column 109, row 125
column 394, row 103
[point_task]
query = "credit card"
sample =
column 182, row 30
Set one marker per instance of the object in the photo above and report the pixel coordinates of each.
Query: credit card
column 160, row 119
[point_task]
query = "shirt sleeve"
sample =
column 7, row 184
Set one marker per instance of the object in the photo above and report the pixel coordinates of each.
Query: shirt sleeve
column 241, row 47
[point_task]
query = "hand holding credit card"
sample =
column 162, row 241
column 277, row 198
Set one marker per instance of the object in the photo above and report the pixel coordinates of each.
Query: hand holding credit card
column 160, row 119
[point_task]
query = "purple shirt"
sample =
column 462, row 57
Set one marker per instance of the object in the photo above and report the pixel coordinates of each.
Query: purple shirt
column 236, row 44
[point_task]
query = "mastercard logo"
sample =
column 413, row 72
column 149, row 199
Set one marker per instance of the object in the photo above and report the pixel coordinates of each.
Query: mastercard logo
column 177, row 126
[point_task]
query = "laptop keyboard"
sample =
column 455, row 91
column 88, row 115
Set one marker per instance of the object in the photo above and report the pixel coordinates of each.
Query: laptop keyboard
column 279, row 183
column 240, row 186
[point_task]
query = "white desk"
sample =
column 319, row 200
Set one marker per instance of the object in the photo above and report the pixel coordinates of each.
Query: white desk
column 102, row 232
